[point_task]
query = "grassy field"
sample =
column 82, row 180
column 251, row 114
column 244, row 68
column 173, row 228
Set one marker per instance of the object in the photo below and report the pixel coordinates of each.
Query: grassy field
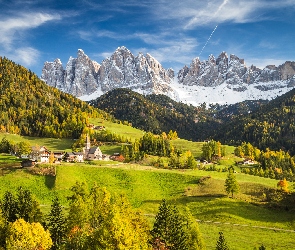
column 240, row 218
column 50, row 143
column 146, row 187
column 120, row 129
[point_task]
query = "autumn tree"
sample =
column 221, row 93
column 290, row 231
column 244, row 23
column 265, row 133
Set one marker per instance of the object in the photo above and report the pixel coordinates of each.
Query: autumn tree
column 231, row 184
column 194, row 238
column 101, row 220
column 25, row 235
column 283, row 185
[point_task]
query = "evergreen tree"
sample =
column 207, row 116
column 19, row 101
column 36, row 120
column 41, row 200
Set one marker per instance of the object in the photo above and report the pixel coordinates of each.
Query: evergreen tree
column 221, row 243
column 56, row 224
column 231, row 184
column 168, row 227
column 262, row 247
column 22, row 206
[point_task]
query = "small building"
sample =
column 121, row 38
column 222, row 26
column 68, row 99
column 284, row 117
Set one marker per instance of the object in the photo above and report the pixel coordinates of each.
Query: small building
column 40, row 154
column 58, row 155
column 94, row 153
column 74, row 157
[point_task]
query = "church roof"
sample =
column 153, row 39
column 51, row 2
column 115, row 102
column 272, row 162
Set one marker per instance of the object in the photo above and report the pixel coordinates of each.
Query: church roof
column 93, row 150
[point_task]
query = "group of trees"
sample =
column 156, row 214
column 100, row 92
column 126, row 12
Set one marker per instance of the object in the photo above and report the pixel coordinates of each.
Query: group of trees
column 271, row 164
column 96, row 219
column 20, row 148
column 158, row 145
column 212, row 150
column 271, row 126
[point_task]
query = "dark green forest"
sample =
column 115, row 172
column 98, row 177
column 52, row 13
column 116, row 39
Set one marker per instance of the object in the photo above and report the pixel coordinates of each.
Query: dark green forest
column 28, row 106
column 148, row 115
column 271, row 126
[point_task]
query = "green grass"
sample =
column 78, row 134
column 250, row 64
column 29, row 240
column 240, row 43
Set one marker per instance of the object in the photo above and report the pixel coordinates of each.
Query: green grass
column 120, row 129
column 110, row 149
column 145, row 187
column 50, row 143
column 185, row 145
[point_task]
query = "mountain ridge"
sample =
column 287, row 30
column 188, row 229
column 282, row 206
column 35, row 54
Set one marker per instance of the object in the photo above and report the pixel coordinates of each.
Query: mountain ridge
column 224, row 80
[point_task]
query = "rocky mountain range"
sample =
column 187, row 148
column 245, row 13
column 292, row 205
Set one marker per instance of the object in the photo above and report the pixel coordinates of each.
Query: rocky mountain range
column 82, row 76
column 223, row 80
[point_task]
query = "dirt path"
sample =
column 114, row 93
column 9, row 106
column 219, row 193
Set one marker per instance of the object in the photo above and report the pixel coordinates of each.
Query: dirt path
column 245, row 225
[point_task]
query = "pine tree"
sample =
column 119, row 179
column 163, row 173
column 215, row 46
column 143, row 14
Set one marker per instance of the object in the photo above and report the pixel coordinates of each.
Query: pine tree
column 231, row 184
column 262, row 247
column 169, row 228
column 221, row 243
column 56, row 224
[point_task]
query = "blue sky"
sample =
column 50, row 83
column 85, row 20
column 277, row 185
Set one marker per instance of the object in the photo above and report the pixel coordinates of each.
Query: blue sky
column 173, row 31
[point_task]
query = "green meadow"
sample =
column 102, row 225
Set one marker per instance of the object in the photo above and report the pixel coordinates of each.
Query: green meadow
column 118, row 128
column 145, row 187
column 245, row 220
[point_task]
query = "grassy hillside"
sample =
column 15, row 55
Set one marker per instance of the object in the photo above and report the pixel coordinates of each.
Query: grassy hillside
column 28, row 106
column 50, row 143
column 146, row 187
column 118, row 128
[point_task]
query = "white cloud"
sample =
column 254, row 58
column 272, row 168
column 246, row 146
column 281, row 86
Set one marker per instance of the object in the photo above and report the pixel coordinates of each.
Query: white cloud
column 261, row 63
column 191, row 13
column 9, row 27
column 26, row 56
column 13, row 35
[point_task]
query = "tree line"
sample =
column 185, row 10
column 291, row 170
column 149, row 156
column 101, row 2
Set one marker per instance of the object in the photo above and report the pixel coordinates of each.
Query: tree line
column 96, row 219
column 271, row 164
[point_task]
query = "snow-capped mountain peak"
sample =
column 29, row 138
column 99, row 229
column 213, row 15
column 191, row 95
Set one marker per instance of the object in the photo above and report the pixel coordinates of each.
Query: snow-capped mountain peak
column 225, row 79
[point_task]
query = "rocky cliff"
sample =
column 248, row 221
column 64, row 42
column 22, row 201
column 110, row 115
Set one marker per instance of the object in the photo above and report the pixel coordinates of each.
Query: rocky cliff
column 83, row 76
column 225, row 79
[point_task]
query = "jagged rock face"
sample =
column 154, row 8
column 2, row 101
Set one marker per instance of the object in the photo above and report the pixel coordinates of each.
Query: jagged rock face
column 234, row 73
column 78, row 78
column 53, row 72
column 122, row 70
column 224, row 79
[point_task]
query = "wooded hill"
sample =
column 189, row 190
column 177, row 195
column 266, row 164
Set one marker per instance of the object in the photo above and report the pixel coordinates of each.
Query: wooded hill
column 146, row 114
column 271, row 126
column 28, row 106
column 159, row 113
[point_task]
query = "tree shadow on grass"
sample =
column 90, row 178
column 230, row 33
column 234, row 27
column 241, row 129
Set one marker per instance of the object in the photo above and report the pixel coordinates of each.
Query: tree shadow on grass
column 50, row 181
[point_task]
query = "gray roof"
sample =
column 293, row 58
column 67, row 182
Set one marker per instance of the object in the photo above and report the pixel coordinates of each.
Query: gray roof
column 93, row 150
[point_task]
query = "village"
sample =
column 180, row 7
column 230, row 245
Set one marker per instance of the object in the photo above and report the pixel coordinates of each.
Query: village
column 43, row 155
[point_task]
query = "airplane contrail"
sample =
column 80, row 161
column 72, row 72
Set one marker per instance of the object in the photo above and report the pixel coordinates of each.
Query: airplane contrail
column 208, row 39
column 219, row 8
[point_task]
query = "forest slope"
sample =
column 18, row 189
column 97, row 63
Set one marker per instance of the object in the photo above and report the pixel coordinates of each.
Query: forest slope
column 271, row 126
column 30, row 107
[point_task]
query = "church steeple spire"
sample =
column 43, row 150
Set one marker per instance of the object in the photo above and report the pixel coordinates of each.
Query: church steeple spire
column 87, row 146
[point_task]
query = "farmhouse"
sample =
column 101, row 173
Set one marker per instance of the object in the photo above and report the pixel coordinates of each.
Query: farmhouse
column 74, row 157
column 40, row 154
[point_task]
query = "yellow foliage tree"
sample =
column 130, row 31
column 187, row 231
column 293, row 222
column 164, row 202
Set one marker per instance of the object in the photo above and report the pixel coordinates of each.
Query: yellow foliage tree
column 25, row 235
column 283, row 184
